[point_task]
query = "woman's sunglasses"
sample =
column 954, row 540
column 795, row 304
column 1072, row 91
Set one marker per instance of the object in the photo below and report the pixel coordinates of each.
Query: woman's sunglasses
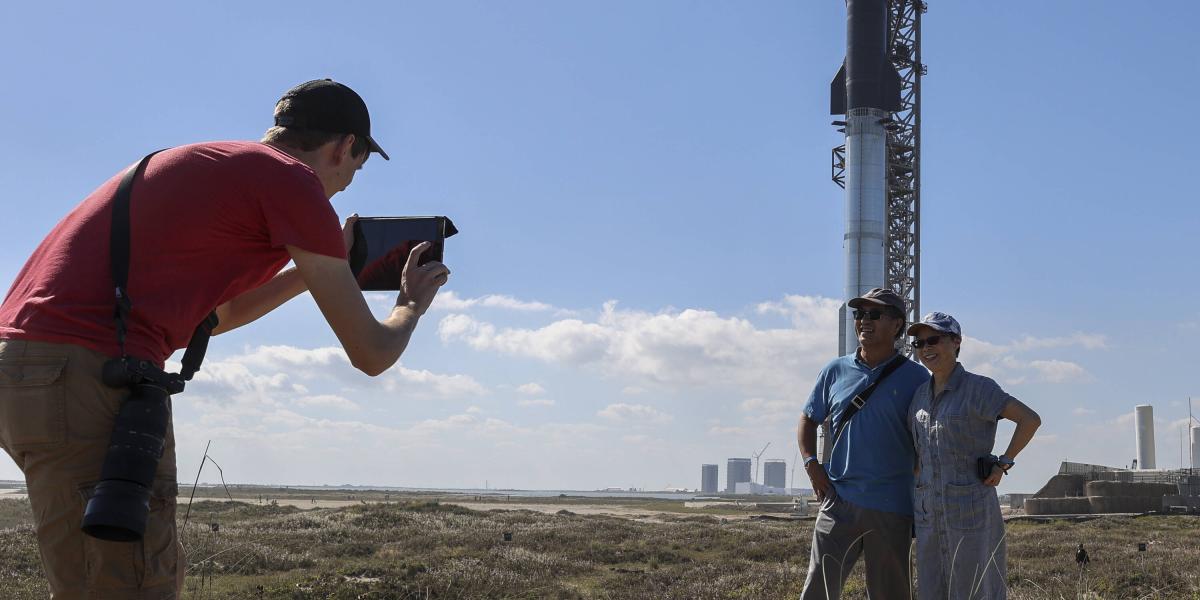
column 932, row 340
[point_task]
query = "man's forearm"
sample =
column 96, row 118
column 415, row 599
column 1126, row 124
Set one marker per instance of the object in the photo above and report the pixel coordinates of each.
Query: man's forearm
column 806, row 436
column 400, row 323
column 259, row 301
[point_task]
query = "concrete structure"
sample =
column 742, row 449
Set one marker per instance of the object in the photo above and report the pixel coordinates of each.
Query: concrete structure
column 708, row 479
column 775, row 474
column 1143, row 419
column 1017, row 501
column 737, row 470
column 1094, row 489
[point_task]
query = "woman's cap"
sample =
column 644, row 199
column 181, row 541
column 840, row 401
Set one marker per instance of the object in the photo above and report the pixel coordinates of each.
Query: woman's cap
column 938, row 321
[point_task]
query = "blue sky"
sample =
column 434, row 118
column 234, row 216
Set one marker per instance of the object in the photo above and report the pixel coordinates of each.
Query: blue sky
column 650, row 260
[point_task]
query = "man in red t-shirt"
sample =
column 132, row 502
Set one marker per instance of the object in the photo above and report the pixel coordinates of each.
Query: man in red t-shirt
column 211, row 225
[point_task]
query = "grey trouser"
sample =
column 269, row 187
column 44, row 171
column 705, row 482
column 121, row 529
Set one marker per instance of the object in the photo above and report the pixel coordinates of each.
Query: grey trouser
column 842, row 532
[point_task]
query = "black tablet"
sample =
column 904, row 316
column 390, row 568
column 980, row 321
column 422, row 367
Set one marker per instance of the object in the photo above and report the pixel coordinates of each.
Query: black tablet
column 381, row 247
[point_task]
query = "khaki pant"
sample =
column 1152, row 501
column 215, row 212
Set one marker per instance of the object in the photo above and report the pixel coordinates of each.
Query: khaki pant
column 56, row 418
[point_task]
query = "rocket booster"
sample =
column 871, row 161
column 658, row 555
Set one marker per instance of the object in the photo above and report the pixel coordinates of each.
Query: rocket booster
column 867, row 79
column 866, row 89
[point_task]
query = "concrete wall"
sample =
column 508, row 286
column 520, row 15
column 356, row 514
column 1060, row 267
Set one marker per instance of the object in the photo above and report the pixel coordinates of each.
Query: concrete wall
column 1062, row 486
column 1057, row 506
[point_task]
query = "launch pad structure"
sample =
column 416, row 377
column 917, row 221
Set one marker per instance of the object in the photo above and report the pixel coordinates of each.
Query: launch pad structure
column 902, row 175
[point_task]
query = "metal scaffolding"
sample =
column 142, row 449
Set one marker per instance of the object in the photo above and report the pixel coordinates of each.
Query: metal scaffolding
column 903, row 244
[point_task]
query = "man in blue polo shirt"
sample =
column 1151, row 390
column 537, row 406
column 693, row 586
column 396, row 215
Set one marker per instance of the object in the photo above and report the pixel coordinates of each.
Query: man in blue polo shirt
column 866, row 487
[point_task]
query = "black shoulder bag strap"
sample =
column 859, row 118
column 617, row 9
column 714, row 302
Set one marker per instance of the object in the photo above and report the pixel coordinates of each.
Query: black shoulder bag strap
column 118, row 244
column 860, row 399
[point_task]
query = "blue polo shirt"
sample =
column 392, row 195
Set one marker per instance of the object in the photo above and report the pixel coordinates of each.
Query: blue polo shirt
column 872, row 462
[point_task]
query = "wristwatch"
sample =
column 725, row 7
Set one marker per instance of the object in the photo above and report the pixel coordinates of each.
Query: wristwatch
column 811, row 459
column 1005, row 463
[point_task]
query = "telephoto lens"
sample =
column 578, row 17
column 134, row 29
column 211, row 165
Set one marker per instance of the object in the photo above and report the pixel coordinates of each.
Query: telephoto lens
column 120, row 503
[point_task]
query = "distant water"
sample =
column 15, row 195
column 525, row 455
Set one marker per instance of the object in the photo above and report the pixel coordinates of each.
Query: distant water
column 514, row 493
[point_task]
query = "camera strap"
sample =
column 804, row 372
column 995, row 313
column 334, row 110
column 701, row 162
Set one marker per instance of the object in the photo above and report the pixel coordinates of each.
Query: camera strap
column 118, row 245
column 860, row 399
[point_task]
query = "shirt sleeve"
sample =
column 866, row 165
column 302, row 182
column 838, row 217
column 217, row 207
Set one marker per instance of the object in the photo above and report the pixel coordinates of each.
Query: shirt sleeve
column 297, row 213
column 817, row 406
column 990, row 400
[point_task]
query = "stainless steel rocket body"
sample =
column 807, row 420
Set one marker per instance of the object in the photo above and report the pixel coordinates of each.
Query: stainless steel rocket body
column 866, row 209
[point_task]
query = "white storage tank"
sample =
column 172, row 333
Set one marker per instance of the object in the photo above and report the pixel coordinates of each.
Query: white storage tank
column 1143, row 418
column 1195, row 447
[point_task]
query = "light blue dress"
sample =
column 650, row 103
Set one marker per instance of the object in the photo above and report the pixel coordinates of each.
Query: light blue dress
column 960, row 531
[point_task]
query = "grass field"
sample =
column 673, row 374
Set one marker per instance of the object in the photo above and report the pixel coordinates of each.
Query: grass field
column 418, row 549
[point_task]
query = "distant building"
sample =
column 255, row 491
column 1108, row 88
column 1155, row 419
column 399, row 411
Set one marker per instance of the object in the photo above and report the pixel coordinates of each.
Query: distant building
column 749, row 488
column 708, row 479
column 737, row 470
column 776, row 474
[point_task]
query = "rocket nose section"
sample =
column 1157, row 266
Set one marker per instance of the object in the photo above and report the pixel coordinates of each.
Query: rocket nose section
column 837, row 92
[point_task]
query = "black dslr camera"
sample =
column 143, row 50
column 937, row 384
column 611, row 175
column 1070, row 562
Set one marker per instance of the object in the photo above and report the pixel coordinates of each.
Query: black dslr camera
column 120, row 503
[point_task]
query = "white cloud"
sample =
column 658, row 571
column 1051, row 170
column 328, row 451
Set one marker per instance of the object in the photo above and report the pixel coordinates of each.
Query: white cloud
column 716, row 430
column 634, row 413
column 745, row 378
column 261, row 388
column 1087, row 341
column 1007, row 363
column 1081, row 411
column 761, row 412
column 680, row 348
column 1058, row 371
column 330, row 400
column 450, row 301
column 532, row 389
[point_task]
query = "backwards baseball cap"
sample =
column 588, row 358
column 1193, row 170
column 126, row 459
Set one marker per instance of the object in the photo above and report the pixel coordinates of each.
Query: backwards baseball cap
column 326, row 105
column 879, row 296
column 938, row 321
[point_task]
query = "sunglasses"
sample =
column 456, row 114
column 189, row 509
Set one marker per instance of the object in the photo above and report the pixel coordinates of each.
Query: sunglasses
column 932, row 340
column 872, row 315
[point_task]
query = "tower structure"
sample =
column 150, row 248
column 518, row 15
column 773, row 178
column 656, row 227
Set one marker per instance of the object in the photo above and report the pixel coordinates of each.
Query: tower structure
column 708, row 479
column 737, row 470
column 775, row 474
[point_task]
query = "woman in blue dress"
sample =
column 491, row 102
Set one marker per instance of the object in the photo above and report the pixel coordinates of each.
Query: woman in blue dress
column 960, row 532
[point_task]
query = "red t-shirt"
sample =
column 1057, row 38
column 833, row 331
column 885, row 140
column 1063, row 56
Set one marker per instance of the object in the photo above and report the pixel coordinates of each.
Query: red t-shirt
column 209, row 222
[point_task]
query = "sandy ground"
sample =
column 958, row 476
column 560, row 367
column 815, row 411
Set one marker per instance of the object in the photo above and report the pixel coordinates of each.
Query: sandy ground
column 640, row 514
column 579, row 509
column 545, row 508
